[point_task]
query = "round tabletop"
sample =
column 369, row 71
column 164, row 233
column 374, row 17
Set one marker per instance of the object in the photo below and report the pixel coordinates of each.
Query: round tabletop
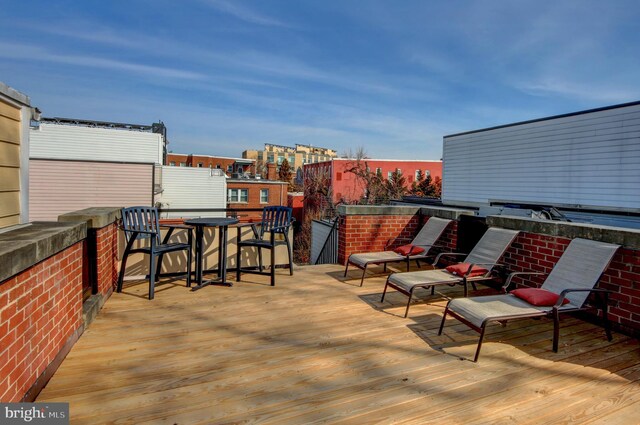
column 211, row 221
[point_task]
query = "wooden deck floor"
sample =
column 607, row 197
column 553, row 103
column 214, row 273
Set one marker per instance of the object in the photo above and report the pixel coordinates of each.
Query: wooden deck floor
column 318, row 349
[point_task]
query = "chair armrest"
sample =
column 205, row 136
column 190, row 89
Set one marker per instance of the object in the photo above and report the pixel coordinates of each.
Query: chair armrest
column 515, row 274
column 280, row 229
column 253, row 227
column 482, row 264
column 146, row 232
column 564, row 293
column 450, row 254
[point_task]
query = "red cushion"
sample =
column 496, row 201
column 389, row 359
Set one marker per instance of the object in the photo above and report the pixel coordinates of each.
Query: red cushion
column 461, row 268
column 538, row 297
column 404, row 250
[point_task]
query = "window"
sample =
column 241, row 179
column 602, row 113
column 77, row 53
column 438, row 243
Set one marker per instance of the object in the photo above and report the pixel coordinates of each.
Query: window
column 218, row 166
column 172, row 163
column 199, row 164
column 264, row 196
column 183, row 164
column 379, row 171
column 418, row 174
column 427, row 173
column 338, row 176
column 240, row 169
column 389, row 174
column 270, row 158
column 237, row 195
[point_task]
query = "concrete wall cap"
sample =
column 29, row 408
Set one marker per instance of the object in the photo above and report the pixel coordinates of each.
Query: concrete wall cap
column 629, row 238
column 96, row 218
column 28, row 245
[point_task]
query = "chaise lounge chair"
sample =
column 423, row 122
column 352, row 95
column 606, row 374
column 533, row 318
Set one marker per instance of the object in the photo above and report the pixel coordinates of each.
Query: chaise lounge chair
column 567, row 287
column 477, row 266
column 419, row 249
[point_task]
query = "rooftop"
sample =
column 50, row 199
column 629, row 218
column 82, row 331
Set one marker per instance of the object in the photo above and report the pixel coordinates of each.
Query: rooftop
column 318, row 348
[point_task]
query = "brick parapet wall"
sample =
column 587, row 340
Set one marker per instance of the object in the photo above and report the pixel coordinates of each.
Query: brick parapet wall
column 536, row 252
column 40, row 315
column 369, row 233
column 107, row 259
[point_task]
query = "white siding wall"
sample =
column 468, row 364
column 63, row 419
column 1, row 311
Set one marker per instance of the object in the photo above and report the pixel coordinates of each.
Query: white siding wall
column 60, row 141
column 185, row 187
column 590, row 159
column 58, row 187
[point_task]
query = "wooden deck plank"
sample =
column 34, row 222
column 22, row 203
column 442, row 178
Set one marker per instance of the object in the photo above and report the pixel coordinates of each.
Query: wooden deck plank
column 317, row 348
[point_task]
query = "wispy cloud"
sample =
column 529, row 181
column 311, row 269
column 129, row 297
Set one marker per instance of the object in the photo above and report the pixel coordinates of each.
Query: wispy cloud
column 35, row 53
column 556, row 86
column 244, row 13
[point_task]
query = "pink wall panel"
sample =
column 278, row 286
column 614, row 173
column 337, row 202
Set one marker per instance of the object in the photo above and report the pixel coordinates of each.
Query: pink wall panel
column 58, row 187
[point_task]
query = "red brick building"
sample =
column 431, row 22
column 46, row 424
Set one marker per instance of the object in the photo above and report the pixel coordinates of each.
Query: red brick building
column 255, row 193
column 345, row 186
column 231, row 166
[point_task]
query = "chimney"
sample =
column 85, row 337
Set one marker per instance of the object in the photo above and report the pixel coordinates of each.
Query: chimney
column 271, row 172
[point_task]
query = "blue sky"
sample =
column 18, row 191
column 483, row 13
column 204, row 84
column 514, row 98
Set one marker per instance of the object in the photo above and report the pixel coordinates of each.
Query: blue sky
column 391, row 76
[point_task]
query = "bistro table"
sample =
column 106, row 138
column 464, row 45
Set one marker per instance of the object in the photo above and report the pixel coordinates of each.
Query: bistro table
column 222, row 223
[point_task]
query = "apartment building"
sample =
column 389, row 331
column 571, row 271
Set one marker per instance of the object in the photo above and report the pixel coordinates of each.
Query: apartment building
column 297, row 156
column 231, row 166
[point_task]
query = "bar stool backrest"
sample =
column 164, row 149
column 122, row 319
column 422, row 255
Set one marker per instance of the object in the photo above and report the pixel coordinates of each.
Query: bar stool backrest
column 141, row 219
column 278, row 218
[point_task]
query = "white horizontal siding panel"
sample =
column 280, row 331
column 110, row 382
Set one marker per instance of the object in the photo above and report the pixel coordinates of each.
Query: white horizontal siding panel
column 185, row 187
column 58, row 187
column 59, row 141
column 590, row 159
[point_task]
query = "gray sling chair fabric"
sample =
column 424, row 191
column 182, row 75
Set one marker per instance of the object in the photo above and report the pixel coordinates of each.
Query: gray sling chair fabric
column 426, row 239
column 573, row 277
column 489, row 249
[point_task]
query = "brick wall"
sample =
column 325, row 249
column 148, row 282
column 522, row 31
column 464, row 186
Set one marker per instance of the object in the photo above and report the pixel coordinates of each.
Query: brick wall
column 40, row 312
column 537, row 252
column 369, row 233
column 277, row 196
column 107, row 259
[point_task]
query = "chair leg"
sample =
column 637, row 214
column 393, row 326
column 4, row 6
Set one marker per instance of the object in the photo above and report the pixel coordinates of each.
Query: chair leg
column 605, row 316
column 152, row 275
column 346, row 269
column 556, row 329
column 444, row 316
column 121, row 274
column 259, row 258
column 433, row 290
column 273, row 265
column 159, row 267
column 475, row 358
column 238, row 259
column 364, row 271
column 406, row 312
column 286, row 237
column 125, row 256
column 418, row 264
column 408, row 264
column 385, row 290
column 189, row 267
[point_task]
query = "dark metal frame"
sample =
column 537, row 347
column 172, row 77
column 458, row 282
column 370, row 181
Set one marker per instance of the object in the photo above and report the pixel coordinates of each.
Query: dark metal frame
column 602, row 296
column 143, row 223
column 462, row 280
column 275, row 220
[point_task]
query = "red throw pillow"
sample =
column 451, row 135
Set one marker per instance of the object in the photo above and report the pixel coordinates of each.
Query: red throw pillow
column 404, row 250
column 460, row 269
column 538, row 297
